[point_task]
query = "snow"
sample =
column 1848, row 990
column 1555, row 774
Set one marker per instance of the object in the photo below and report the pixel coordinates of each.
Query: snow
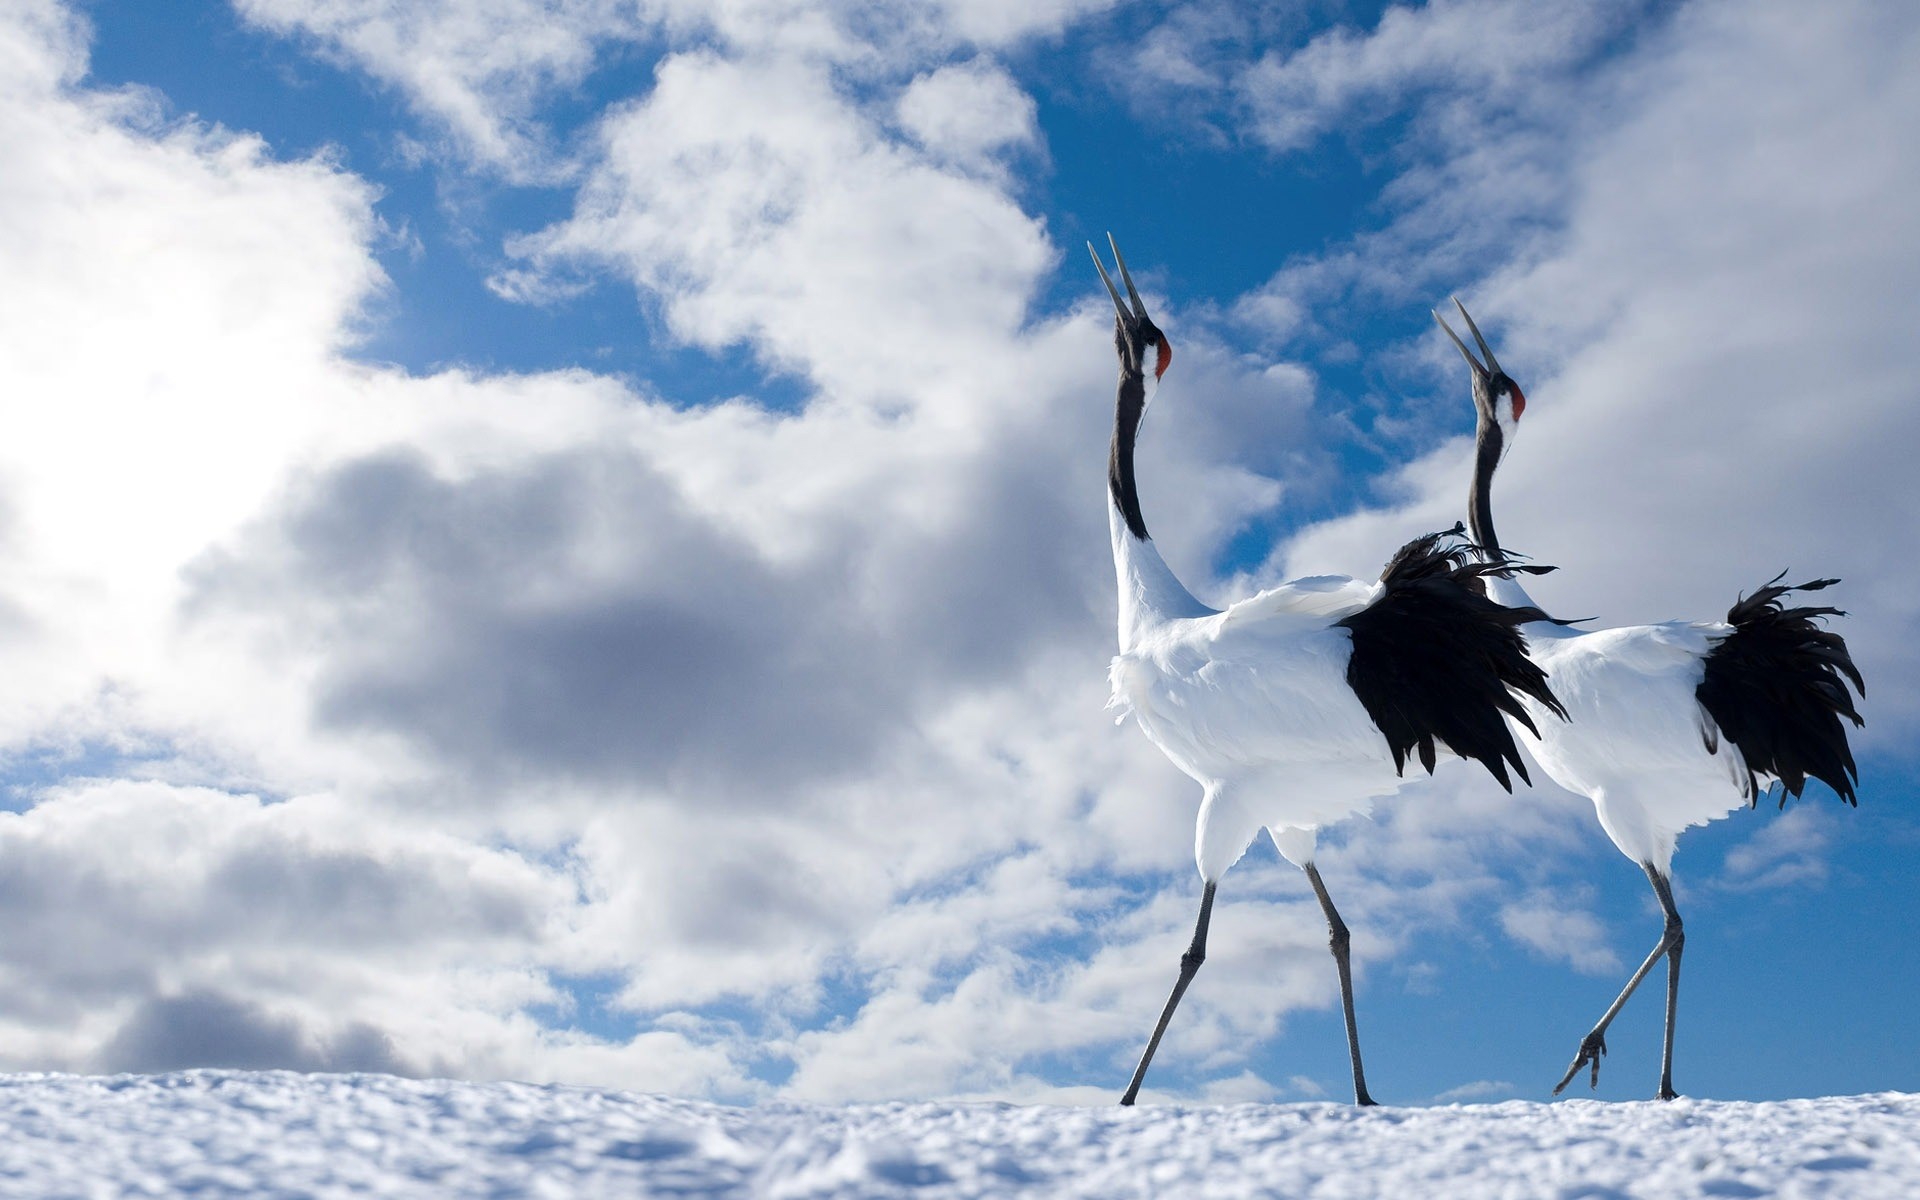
column 233, row 1133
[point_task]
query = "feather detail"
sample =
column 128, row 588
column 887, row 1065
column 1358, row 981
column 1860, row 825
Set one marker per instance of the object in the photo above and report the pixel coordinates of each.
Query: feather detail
column 1776, row 689
column 1436, row 663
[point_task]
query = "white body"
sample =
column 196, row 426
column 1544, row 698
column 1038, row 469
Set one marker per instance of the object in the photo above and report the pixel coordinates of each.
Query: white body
column 1252, row 702
column 1637, row 741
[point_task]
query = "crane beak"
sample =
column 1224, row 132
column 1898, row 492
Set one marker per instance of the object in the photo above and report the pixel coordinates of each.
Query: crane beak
column 1486, row 351
column 1139, row 312
column 1492, row 366
column 1465, row 353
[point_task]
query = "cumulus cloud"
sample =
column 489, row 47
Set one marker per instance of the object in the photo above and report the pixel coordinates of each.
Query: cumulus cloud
column 658, row 662
column 207, row 1029
column 691, row 700
column 482, row 71
column 967, row 113
column 783, row 722
column 761, row 205
column 1789, row 850
column 1679, row 337
column 167, row 370
column 154, row 912
column 1545, row 924
column 1497, row 50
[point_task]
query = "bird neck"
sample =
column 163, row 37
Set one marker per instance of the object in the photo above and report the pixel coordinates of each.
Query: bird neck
column 1129, row 407
column 1150, row 593
column 1489, row 444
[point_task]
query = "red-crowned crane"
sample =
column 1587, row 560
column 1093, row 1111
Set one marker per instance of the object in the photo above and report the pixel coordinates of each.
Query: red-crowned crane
column 1671, row 725
column 1295, row 707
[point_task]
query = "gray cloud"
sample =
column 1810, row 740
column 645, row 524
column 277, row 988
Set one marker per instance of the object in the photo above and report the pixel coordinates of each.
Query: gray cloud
column 803, row 709
column 197, row 909
column 574, row 617
column 209, row 1029
column 475, row 633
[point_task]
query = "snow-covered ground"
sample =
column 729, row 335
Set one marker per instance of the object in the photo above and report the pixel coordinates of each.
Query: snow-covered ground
column 215, row 1133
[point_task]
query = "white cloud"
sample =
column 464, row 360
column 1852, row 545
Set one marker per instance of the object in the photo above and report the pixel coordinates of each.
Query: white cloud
column 483, row 70
column 167, row 369
column 1479, row 1089
column 711, row 690
column 1785, row 851
column 135, row 906
column 792, row 713
column 43, row 45
column 1544, row 923
column 1714, row 340
column 967, row 114
column 761, row 205
column 521, row 286
column 1495, row 49
column 478, row 68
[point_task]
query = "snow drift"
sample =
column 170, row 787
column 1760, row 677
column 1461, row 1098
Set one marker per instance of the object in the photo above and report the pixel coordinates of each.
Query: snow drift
column 216, row 1133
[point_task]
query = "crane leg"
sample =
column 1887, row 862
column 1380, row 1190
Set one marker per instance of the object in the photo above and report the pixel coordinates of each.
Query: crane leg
column 1673, row 940
column 1339, row 940
column 1676, row 942
column 1189, row 966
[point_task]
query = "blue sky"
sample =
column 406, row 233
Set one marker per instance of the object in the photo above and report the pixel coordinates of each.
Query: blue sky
column 567, row 544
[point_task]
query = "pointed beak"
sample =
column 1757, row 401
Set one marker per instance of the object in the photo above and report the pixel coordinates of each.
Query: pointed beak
column 1139, row 307
column 1465, row 353
column 1486, row 351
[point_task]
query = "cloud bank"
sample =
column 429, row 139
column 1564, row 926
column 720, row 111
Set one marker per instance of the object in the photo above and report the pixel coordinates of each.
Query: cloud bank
column 558, row 726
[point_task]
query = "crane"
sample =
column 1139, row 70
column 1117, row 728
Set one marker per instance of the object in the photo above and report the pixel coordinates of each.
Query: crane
column 1675, row 724
column 1295, row 707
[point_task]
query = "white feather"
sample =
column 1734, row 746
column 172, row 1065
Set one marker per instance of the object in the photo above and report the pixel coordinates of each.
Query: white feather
column 1252, row 703
column 1636, row 741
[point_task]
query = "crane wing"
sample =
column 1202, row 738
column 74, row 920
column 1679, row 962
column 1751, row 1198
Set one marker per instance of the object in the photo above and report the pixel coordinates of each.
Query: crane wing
column 1437, row 663
column 1776, row 685
column 1671, row 647
column 1322, row 598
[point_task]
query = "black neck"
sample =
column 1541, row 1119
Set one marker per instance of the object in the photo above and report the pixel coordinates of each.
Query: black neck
column 1486, row 458
column 1130, row 406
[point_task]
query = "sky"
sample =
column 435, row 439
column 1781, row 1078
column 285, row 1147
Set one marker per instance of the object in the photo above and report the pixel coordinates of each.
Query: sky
column 566, row 542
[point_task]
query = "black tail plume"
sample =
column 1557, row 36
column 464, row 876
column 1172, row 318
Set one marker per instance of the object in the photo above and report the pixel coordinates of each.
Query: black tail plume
column 1436, row 663
column 1776, row 687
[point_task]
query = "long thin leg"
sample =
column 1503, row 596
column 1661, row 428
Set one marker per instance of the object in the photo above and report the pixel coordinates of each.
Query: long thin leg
column 1189, row 966
column 1339, row 940
column 1672, row 938
column 1676, row 942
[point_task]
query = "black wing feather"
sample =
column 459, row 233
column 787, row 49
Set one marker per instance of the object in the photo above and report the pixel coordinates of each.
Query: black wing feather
column 1436, row 663
column 1775, row 687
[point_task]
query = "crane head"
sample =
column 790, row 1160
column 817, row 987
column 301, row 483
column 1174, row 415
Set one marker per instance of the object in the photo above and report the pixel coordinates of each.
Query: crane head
column 1134, row 333
column 1497, row 397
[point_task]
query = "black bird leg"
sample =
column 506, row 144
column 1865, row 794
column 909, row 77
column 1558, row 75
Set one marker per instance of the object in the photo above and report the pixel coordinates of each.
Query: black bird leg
column 1338, row 940
column 1676, row 942
column 1672, row 941
column 1189, row 966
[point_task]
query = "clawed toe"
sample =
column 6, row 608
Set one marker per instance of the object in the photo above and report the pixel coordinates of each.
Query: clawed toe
column 1593, row 1048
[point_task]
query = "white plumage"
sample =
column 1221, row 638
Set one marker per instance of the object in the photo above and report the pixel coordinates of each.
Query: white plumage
column 1636, row 741
column 1294, row 708
column 1252, row 703
column 1670, row 725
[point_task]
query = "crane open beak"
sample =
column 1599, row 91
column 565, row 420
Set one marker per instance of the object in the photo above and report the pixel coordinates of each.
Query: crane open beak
column 1492, row 367
column 1139, row 312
